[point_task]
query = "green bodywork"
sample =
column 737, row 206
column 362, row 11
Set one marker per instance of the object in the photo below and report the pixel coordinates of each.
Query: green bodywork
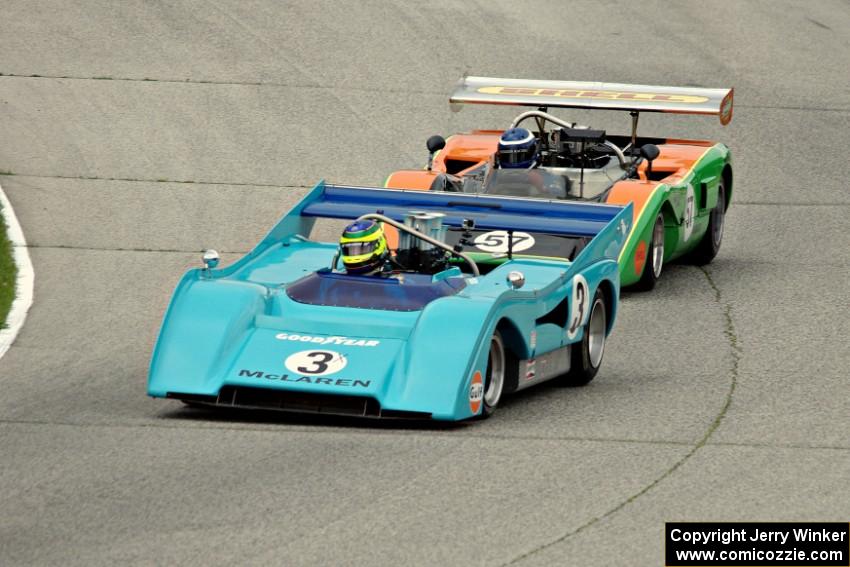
column 671, row 200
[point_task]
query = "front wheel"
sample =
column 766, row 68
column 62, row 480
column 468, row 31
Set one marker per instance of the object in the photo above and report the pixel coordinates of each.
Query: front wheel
column 586, row 355
column 655, row 257
column 494, row 380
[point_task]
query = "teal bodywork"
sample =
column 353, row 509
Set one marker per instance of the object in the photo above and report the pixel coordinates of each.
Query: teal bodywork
column 238, row 329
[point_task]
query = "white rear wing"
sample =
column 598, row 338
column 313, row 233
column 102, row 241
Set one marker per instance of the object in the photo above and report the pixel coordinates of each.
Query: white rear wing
column 608, row 96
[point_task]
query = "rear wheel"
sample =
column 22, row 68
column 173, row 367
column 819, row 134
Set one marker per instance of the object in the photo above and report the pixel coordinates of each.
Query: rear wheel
column 586, row 355
column 494, row 380
column 709, row 246
column 654, row 264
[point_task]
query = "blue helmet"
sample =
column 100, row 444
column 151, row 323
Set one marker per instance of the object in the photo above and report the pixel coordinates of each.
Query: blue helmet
column 517, row 149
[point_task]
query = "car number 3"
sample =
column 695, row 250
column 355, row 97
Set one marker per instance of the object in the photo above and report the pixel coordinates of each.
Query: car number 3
column 578, row 306
column 315, row 362
column 579, row 312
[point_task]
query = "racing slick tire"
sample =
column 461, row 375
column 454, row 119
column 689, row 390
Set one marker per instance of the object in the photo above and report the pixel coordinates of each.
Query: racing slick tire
column 709, row 246
column 494, row 380
column 654, row 264
column 586, row 355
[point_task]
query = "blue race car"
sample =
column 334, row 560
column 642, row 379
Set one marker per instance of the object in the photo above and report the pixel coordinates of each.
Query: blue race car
column 443, row 337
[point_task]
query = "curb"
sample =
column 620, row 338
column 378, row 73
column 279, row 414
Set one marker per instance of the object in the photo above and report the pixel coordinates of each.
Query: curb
column 23, row 282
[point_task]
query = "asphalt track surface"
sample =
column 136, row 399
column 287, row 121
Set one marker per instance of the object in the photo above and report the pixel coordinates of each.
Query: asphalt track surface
column 138, row 133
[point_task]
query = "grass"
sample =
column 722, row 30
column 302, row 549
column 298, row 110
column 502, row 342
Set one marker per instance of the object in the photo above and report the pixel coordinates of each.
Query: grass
column 8, row 272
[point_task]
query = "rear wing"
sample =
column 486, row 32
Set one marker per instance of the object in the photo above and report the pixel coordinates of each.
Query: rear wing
column 608, row 96
column 607, row 226
column 567, row 218
column 489, row 213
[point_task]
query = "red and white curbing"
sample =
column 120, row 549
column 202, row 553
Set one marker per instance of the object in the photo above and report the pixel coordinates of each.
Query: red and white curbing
column 23, row 283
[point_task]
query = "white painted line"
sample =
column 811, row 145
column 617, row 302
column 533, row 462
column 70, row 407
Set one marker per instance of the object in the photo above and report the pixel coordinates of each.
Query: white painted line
column 23, row 283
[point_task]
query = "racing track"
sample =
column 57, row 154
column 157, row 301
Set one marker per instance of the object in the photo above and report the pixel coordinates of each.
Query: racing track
column 138, row 133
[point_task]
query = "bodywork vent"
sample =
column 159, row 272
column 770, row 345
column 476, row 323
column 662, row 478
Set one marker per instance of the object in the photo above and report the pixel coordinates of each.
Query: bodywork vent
column 244, row 397
column 299, row 402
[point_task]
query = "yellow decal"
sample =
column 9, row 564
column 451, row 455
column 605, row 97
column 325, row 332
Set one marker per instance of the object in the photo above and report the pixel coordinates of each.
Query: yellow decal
column 605, row 95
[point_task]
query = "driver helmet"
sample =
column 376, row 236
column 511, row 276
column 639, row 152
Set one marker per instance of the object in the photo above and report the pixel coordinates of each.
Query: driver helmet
column 517, row 149
column 363, row 246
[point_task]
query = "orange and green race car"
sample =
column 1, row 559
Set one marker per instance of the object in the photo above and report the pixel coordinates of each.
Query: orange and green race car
column 680, row 189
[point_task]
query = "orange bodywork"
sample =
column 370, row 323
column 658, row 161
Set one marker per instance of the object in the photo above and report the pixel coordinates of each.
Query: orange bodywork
column 391, row 234
column 465, row 151
column 640, row 256
column 636, row 191
column 462, row 152
column 410, row 179
column 676, row 159
column 416, row 179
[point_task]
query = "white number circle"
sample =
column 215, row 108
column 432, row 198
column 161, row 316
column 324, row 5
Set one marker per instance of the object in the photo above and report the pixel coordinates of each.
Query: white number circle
column 690, row 210
column 579, row 306
column 496, row 242
column 315, row 362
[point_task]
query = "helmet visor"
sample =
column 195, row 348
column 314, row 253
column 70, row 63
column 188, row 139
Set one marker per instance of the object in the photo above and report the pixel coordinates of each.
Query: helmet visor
column 359, row 248
column 517, row 156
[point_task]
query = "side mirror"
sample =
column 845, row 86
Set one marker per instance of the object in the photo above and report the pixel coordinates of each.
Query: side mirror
column 515, row 279
column 435, row 144
column 210, row 260
column 649, row 152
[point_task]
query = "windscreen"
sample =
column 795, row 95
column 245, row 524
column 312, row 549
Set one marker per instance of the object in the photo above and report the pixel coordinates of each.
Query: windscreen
column 392, row 292
column 536, row 183
column 551, row 183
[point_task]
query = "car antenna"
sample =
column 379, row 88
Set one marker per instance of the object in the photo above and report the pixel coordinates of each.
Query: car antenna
column 635, row 115
column 465, row 237
column 581, row 173
column 541, row 127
